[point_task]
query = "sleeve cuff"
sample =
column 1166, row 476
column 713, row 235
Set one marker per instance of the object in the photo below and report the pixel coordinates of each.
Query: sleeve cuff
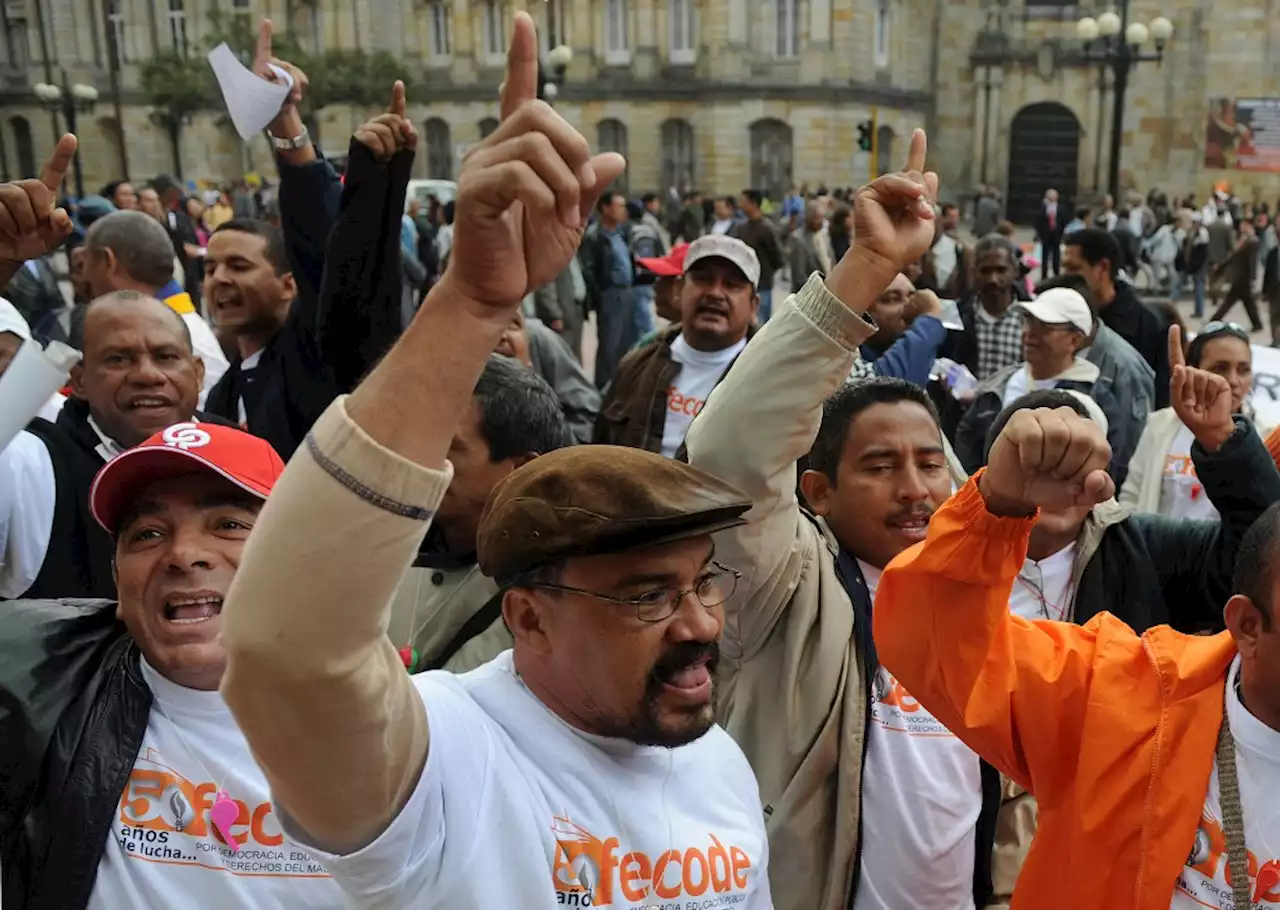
column 971, row 509
column 373, row 472
column 829, row 314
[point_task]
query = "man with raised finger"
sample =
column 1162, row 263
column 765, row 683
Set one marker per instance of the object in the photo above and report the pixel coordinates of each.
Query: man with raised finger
column 583, row 767
column 31, row 223
column 1152, row 757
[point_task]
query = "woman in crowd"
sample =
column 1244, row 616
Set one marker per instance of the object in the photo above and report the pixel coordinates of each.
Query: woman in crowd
column 1161, row 477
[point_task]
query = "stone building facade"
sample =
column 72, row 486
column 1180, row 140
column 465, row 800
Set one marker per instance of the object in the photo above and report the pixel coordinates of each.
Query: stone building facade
column 718, row 94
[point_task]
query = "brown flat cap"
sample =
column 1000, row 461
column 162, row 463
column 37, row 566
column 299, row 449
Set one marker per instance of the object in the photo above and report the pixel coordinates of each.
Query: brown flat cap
column 591, row 500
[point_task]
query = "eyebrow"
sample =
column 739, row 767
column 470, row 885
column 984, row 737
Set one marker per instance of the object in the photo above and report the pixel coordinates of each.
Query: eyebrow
column 660, row 578
column 872, row 454
column 151, row 507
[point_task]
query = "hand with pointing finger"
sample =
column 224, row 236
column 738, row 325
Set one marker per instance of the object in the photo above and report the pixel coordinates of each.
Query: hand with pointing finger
column 525, row 192
column 1202, row 400
column 391, row 132
column 288, row 121
column 893, row 216
column 31, row 224
column 1047, row 458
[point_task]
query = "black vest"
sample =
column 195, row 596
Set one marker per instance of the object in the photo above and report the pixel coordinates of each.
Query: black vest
column 77, row 562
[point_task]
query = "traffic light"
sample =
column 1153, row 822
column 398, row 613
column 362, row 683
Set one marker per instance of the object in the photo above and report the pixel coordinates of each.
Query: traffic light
column 864, row 135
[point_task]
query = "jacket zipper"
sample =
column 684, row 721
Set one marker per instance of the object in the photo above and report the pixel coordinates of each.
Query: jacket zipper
column 1155, row 763
column 862, row 777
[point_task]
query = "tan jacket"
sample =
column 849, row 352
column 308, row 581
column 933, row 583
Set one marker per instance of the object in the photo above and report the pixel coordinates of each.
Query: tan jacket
column 432, row 605
column 1141, row 491
column 792, row 691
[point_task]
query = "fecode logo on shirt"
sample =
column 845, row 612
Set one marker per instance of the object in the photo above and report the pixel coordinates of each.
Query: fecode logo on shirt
column 1207, row 875
column 590, row 872
column 164, row 818
column 893, row 708
column 678, row 403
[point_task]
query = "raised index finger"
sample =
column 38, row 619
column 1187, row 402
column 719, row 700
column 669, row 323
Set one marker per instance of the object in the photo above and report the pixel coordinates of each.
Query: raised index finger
column 1176, row 359
column 55, row 169
column 397, row 99
column 521, row 84
column 916, row 154
column 262, row 50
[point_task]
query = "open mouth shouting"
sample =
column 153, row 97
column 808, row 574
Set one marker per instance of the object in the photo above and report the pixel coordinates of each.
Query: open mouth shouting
column 688, row 673
column 193, row 608
column 157, row 405
column 913, row 525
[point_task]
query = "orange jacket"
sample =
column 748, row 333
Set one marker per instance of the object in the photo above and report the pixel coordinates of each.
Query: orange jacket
column 1114, row 734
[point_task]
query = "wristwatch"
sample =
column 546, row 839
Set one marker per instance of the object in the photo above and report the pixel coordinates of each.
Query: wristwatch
column 287, row 145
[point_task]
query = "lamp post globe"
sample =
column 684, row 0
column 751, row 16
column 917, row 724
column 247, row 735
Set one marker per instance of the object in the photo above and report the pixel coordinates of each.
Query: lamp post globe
column 1087, row 29
column 1109, row 25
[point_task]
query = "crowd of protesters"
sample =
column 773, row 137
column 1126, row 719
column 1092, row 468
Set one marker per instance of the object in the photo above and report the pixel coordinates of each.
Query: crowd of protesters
column 915, row 589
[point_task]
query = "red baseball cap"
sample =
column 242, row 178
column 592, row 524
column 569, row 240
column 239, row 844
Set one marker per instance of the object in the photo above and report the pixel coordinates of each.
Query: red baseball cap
column 178, row 451
column 668, row 266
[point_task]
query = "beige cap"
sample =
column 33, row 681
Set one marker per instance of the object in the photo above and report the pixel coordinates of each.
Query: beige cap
column 722, row 247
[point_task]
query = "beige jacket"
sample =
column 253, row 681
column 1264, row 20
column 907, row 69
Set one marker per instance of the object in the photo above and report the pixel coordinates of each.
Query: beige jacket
column 792, row 691
column 1141, row 491
column 432, row 605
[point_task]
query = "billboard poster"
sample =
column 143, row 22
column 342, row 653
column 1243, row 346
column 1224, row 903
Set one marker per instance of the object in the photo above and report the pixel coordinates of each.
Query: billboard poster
column 1243, row 134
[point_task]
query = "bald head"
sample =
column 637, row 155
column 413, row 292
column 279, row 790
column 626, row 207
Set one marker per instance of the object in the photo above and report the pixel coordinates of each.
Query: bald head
column 128, row 250
column 130, row 306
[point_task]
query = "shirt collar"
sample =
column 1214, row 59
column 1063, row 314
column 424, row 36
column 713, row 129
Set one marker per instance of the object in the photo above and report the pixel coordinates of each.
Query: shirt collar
column 107, row 448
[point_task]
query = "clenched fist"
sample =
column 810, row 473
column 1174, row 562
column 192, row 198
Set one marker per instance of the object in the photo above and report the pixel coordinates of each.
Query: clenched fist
column 1047, row 458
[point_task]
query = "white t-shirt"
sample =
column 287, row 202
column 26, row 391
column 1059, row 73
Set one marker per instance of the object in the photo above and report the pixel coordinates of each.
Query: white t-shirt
column 1021, row 383
column 206, row 347
column 721, row 226
column 515, row 808
column 921, row 798
column 945, row 254
column 1203, row 880
column 699, row 373
column 1181, row 493
column 1043, row 590
column 162, row 850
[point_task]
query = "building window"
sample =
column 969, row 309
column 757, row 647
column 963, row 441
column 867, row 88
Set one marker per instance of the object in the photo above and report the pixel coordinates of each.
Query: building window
column 17, row 50
column 439, row 149
column 438, row 31
column 493, row 40
column 240, row 7
column 487, row 126
column 554, row 28
column 617, row 39
column 21, row 127
column 882, row 34
column 771, row 157
column 787, row 28
column 178, row 27
column 681, row 16
column 117, row 43
column 677, row 156
column 884, row 150
column 611, row 136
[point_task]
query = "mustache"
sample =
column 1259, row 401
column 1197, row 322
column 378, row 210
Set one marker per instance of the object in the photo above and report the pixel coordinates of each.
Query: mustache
column 917, row 511
column 686, row 654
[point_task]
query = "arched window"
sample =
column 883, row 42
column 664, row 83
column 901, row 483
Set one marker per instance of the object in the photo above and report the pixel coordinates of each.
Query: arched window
column 113, row 138
column 21, row 127
column 677, row 155
column 487, row 126
column 611, row 136
column 439, row 149
column 771, row 157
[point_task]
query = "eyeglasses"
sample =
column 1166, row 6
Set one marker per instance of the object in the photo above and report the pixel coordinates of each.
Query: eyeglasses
column 712, row 589
column 1221, row 328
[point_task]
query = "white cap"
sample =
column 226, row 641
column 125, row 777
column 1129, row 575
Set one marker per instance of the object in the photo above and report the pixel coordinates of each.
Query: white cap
column 1095, row 410
column 721, row 247
column 1061, row 306
column 11, row 321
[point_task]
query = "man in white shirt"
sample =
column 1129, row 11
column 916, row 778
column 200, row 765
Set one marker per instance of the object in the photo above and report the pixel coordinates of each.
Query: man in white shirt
column 581, row 769
column 139, row 374
column 128, row 251
column 127, row 781
column 660, row 387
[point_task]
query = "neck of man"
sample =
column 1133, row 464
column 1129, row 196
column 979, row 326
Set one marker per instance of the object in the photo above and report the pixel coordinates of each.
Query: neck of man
column 709, row 344
column 1106, row 296
column 1257, row 699
column 1045, row 543
column 251, row 342
column 1048, row 370
column 999, row 305
column 460, row 541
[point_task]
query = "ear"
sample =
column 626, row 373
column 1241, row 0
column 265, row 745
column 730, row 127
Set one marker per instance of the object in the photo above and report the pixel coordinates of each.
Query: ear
column 523, row 614
column 77, row 379
column 199, row 365
column 110, row 263
column 521, row 460
column 289, row 286
column 115, row 580
column 1246, row 623
column 816, row 488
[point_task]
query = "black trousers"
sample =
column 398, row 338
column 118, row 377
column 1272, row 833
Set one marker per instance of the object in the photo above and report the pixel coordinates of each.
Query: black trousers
column 1239, row 294
column 1051, row 249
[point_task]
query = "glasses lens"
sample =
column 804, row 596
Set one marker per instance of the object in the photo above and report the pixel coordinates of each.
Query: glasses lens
column 657, row 605
column 715, row 588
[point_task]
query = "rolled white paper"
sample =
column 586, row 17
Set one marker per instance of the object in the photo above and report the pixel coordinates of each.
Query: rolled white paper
column 33, row 376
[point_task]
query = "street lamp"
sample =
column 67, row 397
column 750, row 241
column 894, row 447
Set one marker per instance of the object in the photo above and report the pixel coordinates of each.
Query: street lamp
column 68, row 100
column 1104, row 45
column 551, row 72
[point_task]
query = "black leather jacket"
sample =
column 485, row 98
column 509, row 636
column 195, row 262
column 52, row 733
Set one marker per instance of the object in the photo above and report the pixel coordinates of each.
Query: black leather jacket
column 73, row 711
